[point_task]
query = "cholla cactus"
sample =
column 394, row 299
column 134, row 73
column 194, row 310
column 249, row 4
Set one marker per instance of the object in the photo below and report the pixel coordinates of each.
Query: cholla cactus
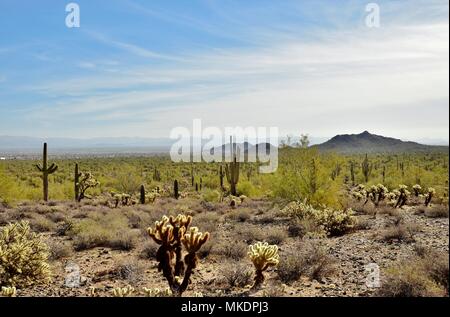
column 377, row 194
column 8, row 291
column 403, row 195
column 171, row 234
column 430, row 193
column 156, row 292
column 331, row 221
column 417, row 189
column 263, row 256
column 23, row 256
column 123, row 291
column 335, row 222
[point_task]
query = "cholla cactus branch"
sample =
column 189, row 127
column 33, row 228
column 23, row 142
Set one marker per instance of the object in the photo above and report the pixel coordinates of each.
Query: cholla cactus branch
column 263, row 256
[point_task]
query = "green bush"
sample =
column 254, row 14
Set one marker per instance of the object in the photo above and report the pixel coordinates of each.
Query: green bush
column 23, row 256
column 333, row 221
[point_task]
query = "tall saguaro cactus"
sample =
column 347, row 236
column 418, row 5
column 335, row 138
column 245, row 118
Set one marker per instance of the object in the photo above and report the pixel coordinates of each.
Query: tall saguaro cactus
column 232, row 169
column 366, row 168
column 46, row 170
column 77, row 182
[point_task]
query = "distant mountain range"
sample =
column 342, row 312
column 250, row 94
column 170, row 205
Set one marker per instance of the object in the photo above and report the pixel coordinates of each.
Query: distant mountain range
column 346, row 143
column 371, row 143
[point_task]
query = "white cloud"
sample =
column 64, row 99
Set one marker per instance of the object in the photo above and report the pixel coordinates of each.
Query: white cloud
column 336, row 82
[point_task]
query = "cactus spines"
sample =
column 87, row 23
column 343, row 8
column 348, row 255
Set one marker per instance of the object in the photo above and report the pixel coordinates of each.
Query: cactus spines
column 171, row 234
column 232, row 169
column 263, row 256
column 46, row 170
column 366, row 168
column 176, row 194
column 142, row 195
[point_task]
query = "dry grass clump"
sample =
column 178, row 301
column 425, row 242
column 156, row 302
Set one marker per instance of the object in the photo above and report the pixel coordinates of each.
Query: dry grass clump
column 207, row 221
column 275, row 235
column 41, row 224
column 249, row 233
column 435, row 211
column 149, row 250
column 129, row 270
column 239, row 215
column 206, row 249
column 231, row 250
column 309, row 259
column 110, row 230
column 416, row 278
column 59, row 250
column 399, row 232
column 237, row 274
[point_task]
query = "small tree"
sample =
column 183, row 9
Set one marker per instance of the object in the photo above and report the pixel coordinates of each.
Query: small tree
column 86, row 181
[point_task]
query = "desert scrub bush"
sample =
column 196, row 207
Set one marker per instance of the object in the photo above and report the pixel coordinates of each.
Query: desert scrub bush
column 59, row 250
column 333, row 222
column 149, row 250
column 249, row 233
column 275, row 235
column 236, row 274
column 211, row 196
column 41, row 224
column 436, row 211
column 311, row 260
column 129, row 270
column 231, row 250
column 110, row 230
column 399, row 232
column 23, row 256
column 207, row 221
column 410, row 279
column 262, row 256
column 239, row 215
column 172, row 234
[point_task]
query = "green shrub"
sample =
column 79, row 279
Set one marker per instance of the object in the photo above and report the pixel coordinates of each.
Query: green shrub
column 23, row 256
column 333, row 222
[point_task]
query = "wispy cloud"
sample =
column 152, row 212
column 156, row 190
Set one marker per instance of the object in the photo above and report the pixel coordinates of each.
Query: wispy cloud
column 130, row 48
column 339, row 79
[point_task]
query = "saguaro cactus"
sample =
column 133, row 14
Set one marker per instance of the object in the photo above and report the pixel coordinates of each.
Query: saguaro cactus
column 77, row 175
column 175, row 189
column 232, row 169
column 352, row 172
column 221, row 176
column 366, row 168
column 46, row 170
column 142, row 195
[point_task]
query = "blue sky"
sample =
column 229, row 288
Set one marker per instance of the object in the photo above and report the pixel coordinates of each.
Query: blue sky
column 141, row 68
